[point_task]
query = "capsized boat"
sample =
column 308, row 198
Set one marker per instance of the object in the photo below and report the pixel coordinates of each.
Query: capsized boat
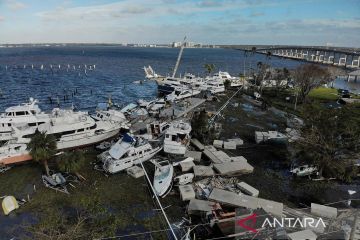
column 163, row 177
column 127, row 152
column 177, row 137
column 56, row 181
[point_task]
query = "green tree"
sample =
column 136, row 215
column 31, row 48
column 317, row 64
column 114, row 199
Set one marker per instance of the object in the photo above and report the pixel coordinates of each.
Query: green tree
column 42, row 147
column 330, row 139
column 200, row 126
column 209, row 67
column 308, row 77
column 71, row 162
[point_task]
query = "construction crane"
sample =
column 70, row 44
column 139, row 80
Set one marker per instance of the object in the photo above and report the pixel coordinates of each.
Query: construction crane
column 179, row 57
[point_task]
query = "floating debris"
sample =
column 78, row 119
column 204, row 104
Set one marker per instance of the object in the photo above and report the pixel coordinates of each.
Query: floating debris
column 56, row 182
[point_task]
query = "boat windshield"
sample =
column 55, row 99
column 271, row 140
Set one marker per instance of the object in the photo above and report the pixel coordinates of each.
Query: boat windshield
column 164, row 173
column 119, row 149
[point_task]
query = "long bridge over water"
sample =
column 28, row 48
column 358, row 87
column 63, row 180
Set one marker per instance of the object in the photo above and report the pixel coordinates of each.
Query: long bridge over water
column 340, row 57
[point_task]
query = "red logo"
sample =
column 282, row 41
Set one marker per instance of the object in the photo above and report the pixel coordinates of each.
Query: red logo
column 251, row 218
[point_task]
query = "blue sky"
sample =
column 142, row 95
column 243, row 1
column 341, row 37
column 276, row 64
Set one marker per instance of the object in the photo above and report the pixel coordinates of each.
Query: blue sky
column 300, row 22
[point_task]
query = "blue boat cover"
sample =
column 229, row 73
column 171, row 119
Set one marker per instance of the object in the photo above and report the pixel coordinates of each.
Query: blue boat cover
column 128, row 138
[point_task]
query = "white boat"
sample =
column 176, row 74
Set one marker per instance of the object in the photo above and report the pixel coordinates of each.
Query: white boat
column 271, row 136
column 133, row 110
column 188, row 82
column 150, row 73
column 24, row 116
column 304, row 170
column 234, row 81
column 13, row 152
column 78, row 129
column 177, row 138
column 112, row 116
column 184, row 179
column 127, row 110
column 145, row 104
column 214, row 86
column 154, row 130
column 127, row 152
column 179, row 95
column 157, row 106
column 163, row 177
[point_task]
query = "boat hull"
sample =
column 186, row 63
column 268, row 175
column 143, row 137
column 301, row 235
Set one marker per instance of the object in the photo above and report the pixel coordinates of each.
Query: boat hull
column 16, row 159
column 82, row 141
column 165, row 89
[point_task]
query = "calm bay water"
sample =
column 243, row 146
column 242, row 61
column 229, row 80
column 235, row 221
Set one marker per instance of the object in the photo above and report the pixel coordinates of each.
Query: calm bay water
column 117, row 69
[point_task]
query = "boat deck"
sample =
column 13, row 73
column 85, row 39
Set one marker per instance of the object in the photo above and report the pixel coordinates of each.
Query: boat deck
column 178, row 110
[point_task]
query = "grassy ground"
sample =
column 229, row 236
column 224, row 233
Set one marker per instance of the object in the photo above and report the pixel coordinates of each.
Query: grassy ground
column 323, row 93
column 125, row 197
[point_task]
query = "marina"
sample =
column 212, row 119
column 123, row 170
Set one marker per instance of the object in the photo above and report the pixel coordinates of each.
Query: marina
column 152, row 149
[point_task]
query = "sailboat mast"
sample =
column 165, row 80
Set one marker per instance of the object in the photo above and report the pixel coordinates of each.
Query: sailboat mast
column 179, row 57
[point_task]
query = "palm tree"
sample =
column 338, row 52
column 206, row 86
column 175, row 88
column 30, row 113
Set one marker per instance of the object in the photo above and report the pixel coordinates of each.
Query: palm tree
column 72, row 162
column 42, row 147
column 209, row 67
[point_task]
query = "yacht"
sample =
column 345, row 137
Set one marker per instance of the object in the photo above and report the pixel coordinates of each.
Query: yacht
column 78, row 129
column 145, row 104
column 169, row 85
column 157, row 106
column 21, row 117
column 188, row 82
column 133, row 110
column 215, row 86
column 110, row 115
column 127, row 152
column 154, row 130
column 179, row 95
column 177, row 138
